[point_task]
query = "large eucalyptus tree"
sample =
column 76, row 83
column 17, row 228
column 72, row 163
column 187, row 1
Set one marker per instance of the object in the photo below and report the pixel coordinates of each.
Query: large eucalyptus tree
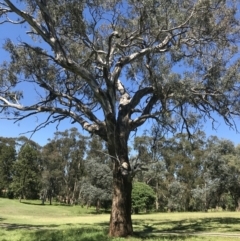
column 112, row 65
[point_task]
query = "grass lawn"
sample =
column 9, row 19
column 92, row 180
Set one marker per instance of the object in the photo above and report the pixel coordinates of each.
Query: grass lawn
column 30, row 221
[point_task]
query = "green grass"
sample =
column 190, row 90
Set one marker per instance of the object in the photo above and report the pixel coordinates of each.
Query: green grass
column 29, row 221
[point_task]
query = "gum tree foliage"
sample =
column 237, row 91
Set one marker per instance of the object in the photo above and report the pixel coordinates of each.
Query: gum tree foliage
column 234, row 162
column 174, row 168
column 221, row 172
column 51, row 173
column 96, row 150
column 218, row 176
column 63, row 165
column 144, row 158
column 112, row 65
column 176, row 196
column 187, row 155
column 149, row 163
column 95, row 187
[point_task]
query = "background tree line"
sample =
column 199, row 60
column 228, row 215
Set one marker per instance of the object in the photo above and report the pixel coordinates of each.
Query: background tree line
column 172, row 174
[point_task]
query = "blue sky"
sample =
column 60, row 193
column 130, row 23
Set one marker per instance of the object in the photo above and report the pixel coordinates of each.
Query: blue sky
column 9, row 129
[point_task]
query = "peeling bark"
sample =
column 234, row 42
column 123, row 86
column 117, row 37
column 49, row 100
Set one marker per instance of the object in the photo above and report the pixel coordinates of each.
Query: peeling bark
column 120, row 220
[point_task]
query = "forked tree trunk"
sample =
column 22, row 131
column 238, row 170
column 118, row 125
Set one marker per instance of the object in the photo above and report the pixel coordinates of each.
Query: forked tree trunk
column 120, row 220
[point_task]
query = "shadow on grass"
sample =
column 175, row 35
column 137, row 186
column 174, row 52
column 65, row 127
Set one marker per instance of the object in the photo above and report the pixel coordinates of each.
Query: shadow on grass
column 29, row 203
column 14, row 226
column 88, row 211
column 86, row 233
column 146, row 229
column 185, row 227
column 46, row 204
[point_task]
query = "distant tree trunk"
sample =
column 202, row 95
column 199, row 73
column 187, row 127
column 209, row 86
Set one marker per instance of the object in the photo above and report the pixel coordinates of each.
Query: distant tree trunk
column 21, row 196
column 43, row 200
column 136, row 210
column 187, row 204
column 120, row 220
column 237, row 205
column 74, row 191
column 157, row 201
column 98, row 206
column 50, row 197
